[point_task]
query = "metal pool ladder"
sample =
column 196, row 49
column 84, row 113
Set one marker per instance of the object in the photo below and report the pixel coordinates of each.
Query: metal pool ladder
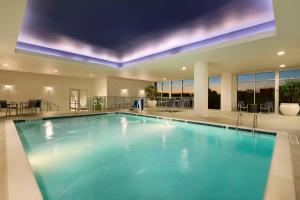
column 254, row 125
column 239, row 120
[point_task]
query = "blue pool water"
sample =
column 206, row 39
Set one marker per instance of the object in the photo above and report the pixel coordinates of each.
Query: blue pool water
column 126, row 157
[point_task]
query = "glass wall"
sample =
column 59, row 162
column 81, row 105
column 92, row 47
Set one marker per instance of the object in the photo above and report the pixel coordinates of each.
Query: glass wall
column 166, row 89
column 265, row 87
column 285, row 77
column 256, row 88
column 214, row 92
column 188, row 88
column 176, row 88
column 245, row 87
column 159, row 88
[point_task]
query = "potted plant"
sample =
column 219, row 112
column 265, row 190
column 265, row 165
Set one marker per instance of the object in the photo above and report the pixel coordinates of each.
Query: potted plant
column 151, row 92
column 98, row 102
column 290, row 95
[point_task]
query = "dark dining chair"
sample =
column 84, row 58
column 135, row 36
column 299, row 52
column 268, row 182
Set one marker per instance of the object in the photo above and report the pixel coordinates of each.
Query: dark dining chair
column 3, row 105
column 181, row 104
column 29, row 107
column 267, row 107
column 38, row 105
column 242, row 106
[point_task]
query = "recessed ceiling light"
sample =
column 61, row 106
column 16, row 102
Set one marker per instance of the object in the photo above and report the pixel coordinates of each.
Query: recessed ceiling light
column 55, row 70
column 164, row 78
column 281, row 53
column 5, row 65
column 91, row 75
column 183, row 68
column 282, row 66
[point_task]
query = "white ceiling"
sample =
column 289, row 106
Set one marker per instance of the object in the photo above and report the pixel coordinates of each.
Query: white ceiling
column 256, row 53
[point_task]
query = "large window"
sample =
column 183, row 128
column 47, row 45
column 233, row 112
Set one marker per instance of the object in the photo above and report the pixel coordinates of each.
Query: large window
column 166, row 89
column 258, row 88
column 214, row 93
column 245, row 88
column 159, row 89
column 264, row 87
column 188, row 88
column 285, row 76
column 176, row 88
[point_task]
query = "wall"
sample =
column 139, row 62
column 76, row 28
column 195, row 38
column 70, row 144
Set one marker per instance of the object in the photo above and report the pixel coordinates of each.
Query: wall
column 27, row 85
column 133, row 88
column 100, row 86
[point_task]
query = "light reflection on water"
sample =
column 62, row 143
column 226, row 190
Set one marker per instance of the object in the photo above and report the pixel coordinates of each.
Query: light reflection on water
column 49, row 130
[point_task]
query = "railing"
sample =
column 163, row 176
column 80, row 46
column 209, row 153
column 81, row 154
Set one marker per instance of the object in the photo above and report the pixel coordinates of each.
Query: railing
column 98, row 103
column 254, row 125
column 239, row 121
column 49, row 106
column 188, row 101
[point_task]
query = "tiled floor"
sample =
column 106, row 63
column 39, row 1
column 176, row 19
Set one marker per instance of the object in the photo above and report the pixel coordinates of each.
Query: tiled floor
column 265, row 121
column 2, row 163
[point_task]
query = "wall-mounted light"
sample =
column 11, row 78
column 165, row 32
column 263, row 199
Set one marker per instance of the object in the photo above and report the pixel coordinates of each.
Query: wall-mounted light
column 5, row 65
column 142, row 93
column 183, row 68
column 280, row 53
column 8, row 87
column 124, row 92
column 49, row 89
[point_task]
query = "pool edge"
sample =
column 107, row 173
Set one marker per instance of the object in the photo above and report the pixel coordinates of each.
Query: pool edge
column 280, row 182
column 21, row 183
column 271, row 188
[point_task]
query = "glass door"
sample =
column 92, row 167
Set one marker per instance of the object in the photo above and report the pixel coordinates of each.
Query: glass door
column 78, row 99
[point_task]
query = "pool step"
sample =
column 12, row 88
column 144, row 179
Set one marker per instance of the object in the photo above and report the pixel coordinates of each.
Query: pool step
column 294, row 139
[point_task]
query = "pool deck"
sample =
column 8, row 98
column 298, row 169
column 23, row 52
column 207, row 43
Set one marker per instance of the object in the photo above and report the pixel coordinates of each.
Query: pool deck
column 265, row 121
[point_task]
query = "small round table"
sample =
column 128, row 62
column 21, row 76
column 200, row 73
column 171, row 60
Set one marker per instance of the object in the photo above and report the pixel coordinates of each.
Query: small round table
column 253, row 108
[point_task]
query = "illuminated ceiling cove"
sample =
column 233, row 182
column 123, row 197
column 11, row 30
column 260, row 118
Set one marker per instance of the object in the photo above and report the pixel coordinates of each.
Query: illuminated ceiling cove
column 122, row 32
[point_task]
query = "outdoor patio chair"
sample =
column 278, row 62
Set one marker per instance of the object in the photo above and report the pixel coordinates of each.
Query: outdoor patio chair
column 242, row 106
column 170, row 105
column 3, row 105
column 267, row 107
column 181, row 104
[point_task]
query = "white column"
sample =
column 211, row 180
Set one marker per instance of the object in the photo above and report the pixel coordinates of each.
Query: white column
column 234, row 90
column 226, row 92
column 276, row 102
column 201, row 89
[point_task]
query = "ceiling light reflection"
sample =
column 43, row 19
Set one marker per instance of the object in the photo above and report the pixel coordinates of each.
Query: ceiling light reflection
column 49, row 130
